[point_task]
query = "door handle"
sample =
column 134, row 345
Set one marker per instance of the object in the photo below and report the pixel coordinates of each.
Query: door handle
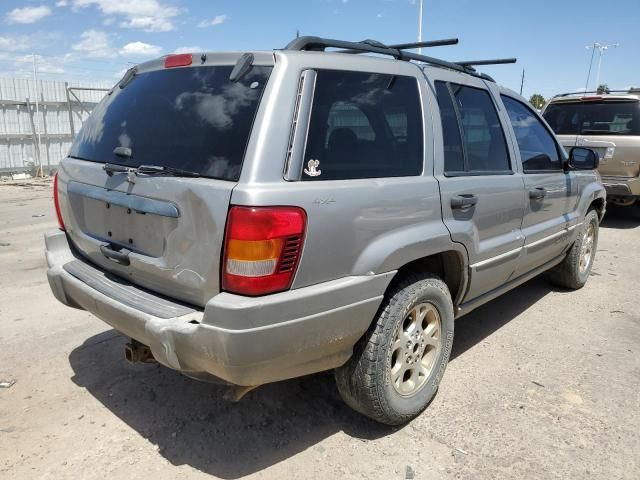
column 119, row 256
column 466, row 200
column 537, row 193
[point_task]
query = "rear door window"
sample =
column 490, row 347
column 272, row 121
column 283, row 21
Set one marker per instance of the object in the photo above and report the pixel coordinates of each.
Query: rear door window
column 188, row 118
column 538, row 149
column 594, row 117
column 364, row 125
column 470, row 120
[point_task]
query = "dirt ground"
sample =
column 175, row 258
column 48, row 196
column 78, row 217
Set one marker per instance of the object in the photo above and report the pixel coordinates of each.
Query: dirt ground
column 542, row 384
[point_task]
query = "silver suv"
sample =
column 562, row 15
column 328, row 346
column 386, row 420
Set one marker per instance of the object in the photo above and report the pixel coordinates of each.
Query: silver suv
column 261, row 216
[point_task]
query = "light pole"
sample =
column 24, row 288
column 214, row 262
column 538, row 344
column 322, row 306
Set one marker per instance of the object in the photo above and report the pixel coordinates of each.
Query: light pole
column 601, row 49
column 420, row 26
column 37, row 117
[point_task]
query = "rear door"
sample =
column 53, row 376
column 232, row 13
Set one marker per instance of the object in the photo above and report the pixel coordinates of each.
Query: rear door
column 481, row 190
column 163, row 232
column 550, row 192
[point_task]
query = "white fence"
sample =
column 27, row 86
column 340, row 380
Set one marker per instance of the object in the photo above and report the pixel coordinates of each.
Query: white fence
column 30, row 138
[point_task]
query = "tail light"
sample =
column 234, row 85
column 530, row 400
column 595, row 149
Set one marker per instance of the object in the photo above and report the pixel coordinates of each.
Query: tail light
column 56, row 202
column 262, row 249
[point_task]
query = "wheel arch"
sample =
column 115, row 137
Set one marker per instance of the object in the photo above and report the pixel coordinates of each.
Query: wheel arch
column 450, row 265
column 599, row 205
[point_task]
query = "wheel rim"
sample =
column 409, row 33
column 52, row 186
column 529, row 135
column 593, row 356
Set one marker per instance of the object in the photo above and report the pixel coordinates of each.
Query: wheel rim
column 587, row 250
column 416, row 347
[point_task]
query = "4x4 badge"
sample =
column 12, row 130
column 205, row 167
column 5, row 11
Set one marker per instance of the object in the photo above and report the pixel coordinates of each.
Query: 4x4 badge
column 311, row 168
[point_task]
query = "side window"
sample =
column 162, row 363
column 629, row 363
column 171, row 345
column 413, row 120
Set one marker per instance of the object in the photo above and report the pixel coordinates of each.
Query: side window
column 453, row 153
column 484, row 141
column 363, row 125
column 474, row 142
column 538, row 149
column 345, row 115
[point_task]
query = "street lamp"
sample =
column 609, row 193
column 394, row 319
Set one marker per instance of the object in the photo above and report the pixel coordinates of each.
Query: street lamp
column 601, row 49
column 420, row 26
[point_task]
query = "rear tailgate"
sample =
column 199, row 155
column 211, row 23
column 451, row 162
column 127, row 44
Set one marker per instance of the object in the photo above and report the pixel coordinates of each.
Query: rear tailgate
column 161, row 232
column 608, row 125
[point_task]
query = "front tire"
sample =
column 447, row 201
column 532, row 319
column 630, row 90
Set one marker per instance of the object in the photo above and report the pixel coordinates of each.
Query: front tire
column 574, row 270
column 397, row 366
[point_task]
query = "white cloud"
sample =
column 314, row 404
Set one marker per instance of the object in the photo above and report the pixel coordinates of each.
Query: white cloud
column 98, row 44
column 28, row 14
column 148, row 15
column 217, row 20
column 62, row 3
column 187, row 49
column 140, row 49
column 14, row 44
column 94, row 43
column 149, row 24
column 23, row 65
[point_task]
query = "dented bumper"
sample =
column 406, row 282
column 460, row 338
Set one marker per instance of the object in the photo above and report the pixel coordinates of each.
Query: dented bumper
column 242, row 340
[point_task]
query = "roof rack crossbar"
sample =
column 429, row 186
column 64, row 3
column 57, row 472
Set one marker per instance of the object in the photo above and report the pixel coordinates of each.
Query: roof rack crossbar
column 497, row 61
column 320, row 44
column 408, row 46
column 427, row 44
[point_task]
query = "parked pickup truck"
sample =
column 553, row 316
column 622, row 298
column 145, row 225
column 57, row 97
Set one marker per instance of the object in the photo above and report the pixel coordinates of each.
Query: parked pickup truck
column 261, row 216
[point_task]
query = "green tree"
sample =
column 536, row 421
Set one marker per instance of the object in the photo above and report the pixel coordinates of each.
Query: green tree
column 603, row 88
column 537, row 101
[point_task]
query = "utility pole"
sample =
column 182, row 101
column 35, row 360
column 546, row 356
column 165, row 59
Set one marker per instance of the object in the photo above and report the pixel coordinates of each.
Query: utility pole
column 36, row 123
column 522, row 82
column 420, row 26
column 601, row 49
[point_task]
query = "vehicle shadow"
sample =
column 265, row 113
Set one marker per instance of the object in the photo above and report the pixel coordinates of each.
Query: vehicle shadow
column 191, row 423
column 474, row 327
column 621, row 217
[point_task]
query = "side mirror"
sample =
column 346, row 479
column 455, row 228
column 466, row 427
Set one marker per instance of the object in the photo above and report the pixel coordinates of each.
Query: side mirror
column 583, row 159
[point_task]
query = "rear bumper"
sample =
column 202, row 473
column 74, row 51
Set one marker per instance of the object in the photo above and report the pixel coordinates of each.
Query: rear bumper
column 244, row 341
column 622, row 186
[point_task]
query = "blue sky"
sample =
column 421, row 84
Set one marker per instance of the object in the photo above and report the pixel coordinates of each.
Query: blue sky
column 97, row 39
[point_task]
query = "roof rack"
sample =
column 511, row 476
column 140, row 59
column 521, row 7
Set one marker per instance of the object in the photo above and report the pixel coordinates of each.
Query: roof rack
column 497, row 61
column 631, row 90
column 397, row 51
column 408, row 46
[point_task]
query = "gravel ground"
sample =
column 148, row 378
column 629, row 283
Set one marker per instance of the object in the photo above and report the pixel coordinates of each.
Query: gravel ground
column 543, row 383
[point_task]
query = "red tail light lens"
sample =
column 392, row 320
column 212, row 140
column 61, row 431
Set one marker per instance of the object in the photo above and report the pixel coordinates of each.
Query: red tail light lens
column 262, row 249
column 56, row 202
column 178, row 60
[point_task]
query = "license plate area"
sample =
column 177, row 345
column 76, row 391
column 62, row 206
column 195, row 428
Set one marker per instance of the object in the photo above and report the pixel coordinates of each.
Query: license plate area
column 137, row 223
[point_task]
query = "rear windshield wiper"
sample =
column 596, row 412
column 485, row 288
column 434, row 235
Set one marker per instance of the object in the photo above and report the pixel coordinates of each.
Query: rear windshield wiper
column 110, row 168
column 160, row 170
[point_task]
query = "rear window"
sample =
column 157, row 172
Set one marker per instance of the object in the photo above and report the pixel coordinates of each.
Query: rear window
column 594, row 118
column 189, row 118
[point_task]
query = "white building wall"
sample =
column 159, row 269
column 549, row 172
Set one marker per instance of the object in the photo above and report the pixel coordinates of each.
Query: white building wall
column 53, row 122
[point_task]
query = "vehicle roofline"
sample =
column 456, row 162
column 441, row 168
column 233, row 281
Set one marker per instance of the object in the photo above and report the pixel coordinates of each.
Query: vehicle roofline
column 262, row 56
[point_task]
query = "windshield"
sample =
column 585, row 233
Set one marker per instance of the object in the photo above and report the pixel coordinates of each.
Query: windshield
column 594, row 118
column 192, row 119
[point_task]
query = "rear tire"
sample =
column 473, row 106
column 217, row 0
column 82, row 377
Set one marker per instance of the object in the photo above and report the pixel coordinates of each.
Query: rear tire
column 574, row 270
column 397, row 366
